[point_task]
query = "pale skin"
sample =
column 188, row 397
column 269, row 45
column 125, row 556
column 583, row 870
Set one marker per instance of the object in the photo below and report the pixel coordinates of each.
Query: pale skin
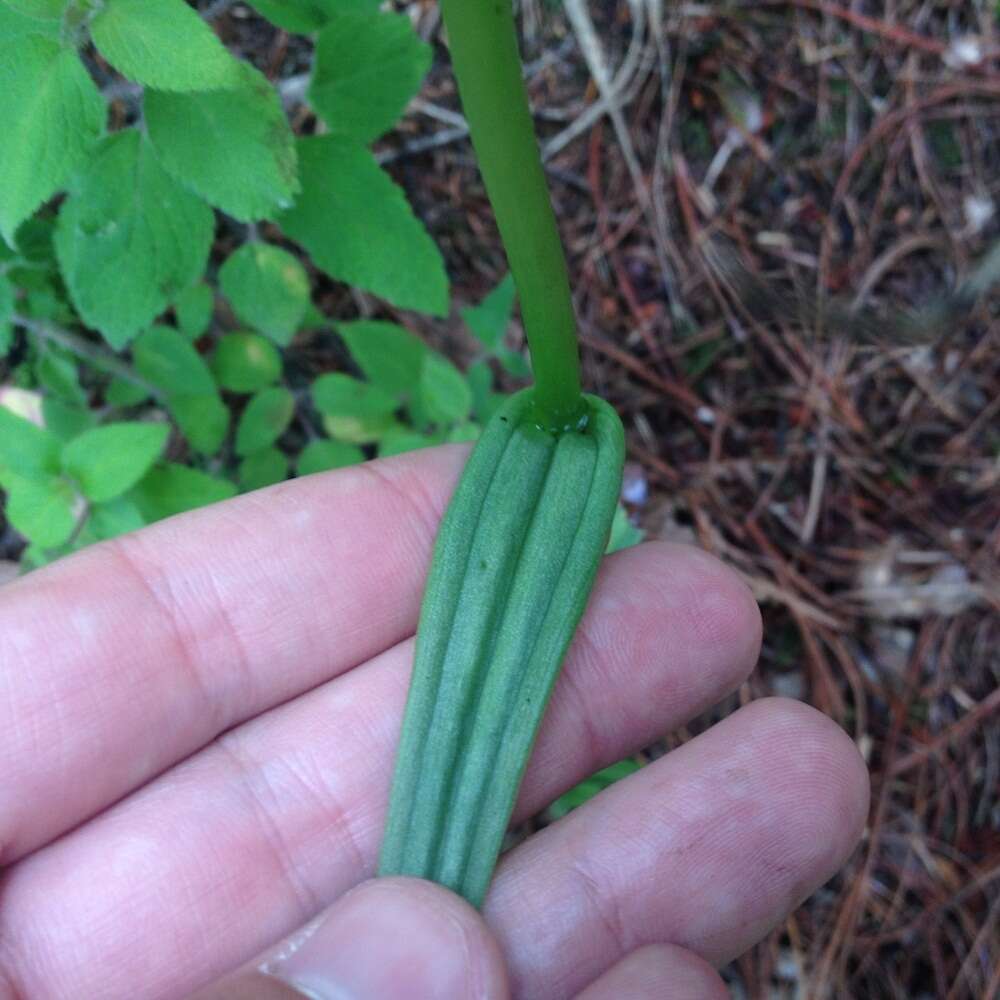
column 197, row 728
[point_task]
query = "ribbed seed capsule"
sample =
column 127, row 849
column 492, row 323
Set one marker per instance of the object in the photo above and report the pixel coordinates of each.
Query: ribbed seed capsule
column 513, row 565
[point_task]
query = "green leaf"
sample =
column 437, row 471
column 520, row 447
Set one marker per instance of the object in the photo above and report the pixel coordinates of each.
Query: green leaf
column 169, row 489
column 246, row 362
column 108, row 460
column 322, row 455
column 6, row 311
column 164, row 45
column 193, row 309
column 589, row 787
column 489, row 320
column 263, row 468
column 14, row 25
column 66, row 420
column 357, row 226
column 36, row 241
column 45, row 10
column 264, row 420
column 623, row 532
column 232, row 147
column 129, row 239
column 166, row 359
column 469, row 431
column 268, row 289
column 122, row 393
column 163, row 357
column 114, row 518
column 51, row 115
column 25, row 448
column 360, row 429
column 57, row 372
column 305, row 16
column 444, row 392
column 41, row 509
column 398, row 442
column 203, row 420
column 367, row 67
column 514, row 363
column 339, row 395
column 388, row 354
column 480, row 379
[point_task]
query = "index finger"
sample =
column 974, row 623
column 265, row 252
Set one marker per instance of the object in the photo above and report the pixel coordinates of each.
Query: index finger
column 119, row 661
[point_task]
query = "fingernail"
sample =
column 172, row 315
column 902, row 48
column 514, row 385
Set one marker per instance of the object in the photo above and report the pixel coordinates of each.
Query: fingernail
column 385, row 939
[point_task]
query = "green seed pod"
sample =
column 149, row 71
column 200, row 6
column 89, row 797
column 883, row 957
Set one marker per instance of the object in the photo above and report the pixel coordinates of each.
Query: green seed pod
column 513, row 566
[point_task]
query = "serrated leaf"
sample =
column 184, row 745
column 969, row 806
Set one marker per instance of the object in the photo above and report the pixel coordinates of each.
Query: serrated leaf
column 169, row 489
column 264, row 420
column 51, row 116
column 164, row 44
column 36, row 241
column 263, row 468
column 202, row 419
column 389, row 355
column 6, row 312
column 360, row 429
column 246, row 362
column 45, row 10
column 443, row 390
column 25, row 448
column 489, row 320
column 469, row 431
column 305, row 16
column 129, row 238
column 322, row 455
column 357, row 226
column 339, row 395
column 233, row 147
column 480, row 379
column 367, row 67
column 114, row 518
column 14, row 25
column 66, row 420
column 623, row 532
column 164, row 358
column 41, row 509
column 267, row 288
column 109, row 460
column 58, row 373
column 193, row 309
column 591, row 786
column 514, row 363
column 398, row 442
column 122, row 393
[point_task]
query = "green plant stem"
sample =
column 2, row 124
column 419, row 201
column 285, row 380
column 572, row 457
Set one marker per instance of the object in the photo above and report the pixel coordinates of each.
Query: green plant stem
column 487, row 64
column 86, row 351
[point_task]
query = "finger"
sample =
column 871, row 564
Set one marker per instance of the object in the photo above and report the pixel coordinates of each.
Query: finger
column 120, row 661
column 709, row 848
column 397, row 938
column 254, row 835
column 658, row 972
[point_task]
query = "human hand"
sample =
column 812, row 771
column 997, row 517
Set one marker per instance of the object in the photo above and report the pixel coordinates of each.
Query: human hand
column 197, row 730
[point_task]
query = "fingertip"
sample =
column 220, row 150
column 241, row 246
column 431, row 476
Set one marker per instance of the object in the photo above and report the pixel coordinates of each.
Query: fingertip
column 709, row 600
column 396, row 937
column 655, row 971
column 819, row 754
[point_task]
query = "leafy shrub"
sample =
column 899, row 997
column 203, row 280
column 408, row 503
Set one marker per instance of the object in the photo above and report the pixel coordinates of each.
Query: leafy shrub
column 139, row 376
